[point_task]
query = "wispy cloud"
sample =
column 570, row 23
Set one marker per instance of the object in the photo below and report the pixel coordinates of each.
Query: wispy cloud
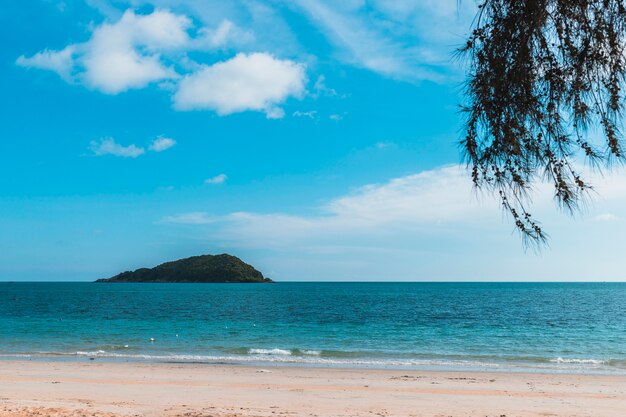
column 225, row 33
column 383, row 145
column 61, row 62
column 161, row 144
column 198, row 217
column 359, row 43
column 218, row 179
column 429, row 199
column 428, row 225
column 108, row 146
column 312, row 114
column 394, row 38
column 321, row 89
column 605, row 217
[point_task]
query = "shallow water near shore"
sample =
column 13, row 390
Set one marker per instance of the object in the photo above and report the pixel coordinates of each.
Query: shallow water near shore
column 551, row 327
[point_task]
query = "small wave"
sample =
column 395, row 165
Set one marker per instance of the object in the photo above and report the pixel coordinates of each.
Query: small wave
column 284, row 357
column 579, row 361
column 94, row 353
column 311, row 352
column 269, row 352
column 276, row 352
column 321, row 358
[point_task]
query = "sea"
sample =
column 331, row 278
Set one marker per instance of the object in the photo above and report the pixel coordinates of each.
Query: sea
column 527, row 327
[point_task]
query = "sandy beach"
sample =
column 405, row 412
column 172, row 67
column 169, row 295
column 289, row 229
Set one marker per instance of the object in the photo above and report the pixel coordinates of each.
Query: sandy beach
column 33, row 388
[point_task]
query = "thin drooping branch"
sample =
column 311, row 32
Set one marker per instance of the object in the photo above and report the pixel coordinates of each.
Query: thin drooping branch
column 542, row 75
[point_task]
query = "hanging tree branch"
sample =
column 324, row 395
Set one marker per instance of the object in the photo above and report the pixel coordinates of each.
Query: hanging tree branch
column 542, row 72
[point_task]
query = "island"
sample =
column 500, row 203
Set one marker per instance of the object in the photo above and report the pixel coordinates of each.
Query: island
column 222, row 268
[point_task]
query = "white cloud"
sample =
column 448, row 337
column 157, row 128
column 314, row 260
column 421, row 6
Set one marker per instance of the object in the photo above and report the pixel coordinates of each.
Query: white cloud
column 605, row 217
column 428, row 197
column 121, row 55
column 60, row 62
column 255, row 81
column 108, row 146
column 310, row 114
column 160, row 144
column 126, row 54
column 136, row 50
column 218, row 179
column 274, row 113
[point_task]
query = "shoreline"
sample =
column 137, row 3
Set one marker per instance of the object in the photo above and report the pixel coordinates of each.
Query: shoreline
column 553, row 367
column 120, row 389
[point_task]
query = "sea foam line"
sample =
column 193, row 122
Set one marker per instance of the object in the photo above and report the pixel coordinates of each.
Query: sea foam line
column 284, row 352
column 579, row 361
column 312, row 358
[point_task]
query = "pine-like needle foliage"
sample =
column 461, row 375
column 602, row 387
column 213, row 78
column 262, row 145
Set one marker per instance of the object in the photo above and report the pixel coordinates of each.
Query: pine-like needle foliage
column 542, row 72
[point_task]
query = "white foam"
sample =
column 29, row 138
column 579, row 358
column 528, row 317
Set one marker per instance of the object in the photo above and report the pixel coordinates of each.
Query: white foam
column 94, row 353
column 269, row 352
column 578, row 361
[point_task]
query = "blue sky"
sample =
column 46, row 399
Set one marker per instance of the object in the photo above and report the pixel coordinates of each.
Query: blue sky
column 316, row 140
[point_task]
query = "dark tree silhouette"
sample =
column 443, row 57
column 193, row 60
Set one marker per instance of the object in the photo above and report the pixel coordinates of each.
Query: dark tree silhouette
column 542, row 75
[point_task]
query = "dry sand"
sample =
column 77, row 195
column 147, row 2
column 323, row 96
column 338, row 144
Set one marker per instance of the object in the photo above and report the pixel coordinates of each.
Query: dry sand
column 32, row 388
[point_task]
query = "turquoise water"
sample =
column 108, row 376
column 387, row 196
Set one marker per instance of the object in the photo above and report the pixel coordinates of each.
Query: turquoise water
column 525, row 326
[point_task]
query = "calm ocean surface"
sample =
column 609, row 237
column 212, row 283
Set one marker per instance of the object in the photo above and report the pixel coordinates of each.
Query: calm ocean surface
column 546, row 327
